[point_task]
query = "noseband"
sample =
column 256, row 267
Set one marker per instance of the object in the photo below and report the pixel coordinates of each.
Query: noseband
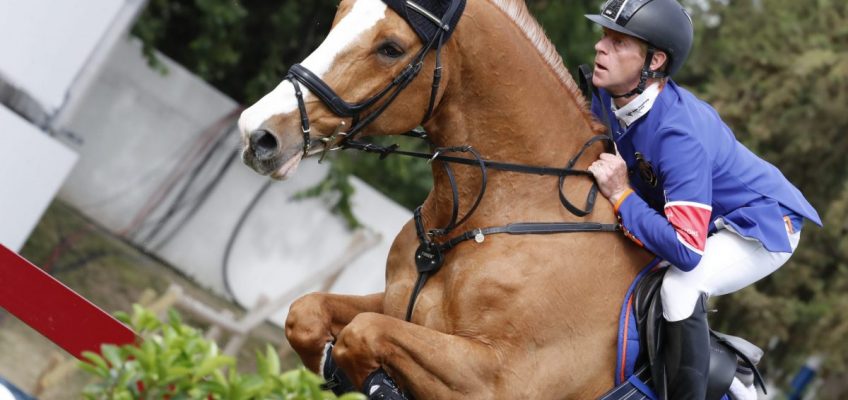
column 298, row 74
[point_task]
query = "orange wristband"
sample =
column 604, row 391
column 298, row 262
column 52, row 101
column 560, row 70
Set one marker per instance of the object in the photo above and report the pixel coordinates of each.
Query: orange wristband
column 627, row 192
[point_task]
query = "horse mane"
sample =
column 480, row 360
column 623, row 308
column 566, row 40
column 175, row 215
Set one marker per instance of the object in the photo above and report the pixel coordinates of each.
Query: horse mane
column 517, row 11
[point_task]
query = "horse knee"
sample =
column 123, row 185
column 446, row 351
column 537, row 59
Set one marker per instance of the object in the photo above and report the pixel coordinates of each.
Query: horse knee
column 308, row 324
column 360, row 340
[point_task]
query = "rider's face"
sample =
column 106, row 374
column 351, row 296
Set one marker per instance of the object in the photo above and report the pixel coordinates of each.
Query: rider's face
column 618, row 60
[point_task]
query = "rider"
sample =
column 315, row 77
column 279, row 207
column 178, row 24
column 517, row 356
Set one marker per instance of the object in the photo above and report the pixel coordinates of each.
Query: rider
column 681, row 185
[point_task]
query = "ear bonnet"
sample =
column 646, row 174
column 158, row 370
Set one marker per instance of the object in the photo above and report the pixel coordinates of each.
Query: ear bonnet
column 428, row 17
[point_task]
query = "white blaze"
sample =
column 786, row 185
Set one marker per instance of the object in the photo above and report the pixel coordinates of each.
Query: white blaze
column 363, row 16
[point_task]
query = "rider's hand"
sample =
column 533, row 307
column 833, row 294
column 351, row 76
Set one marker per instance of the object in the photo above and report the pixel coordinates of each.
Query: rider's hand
column 610, row 172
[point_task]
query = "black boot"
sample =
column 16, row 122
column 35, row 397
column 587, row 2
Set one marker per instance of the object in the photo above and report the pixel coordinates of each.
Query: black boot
column 379, row 386
column 687, row 355
column 335, row 379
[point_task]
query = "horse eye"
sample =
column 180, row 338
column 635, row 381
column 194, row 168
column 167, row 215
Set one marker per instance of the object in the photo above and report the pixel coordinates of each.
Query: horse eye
column 390, row 50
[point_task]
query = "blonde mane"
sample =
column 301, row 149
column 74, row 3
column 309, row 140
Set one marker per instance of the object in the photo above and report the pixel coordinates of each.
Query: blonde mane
column 518, row 13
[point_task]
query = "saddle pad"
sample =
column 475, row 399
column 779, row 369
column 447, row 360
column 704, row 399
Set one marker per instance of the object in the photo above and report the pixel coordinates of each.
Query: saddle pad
column 628, row 334
column 636, row 387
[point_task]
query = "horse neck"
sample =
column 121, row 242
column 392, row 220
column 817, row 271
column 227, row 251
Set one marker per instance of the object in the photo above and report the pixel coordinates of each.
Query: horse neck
column 505, row 100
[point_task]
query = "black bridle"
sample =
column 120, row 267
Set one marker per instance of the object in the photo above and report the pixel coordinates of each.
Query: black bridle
column 298, row 74
column 434, row 243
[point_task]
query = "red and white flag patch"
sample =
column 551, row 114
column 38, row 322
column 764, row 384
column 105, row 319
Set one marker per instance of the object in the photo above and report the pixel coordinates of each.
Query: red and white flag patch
column 691, row 221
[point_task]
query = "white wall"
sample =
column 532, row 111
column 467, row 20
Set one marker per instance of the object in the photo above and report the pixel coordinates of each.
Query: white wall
column 45, row 47
column 135, row 127
column 32, row 167
column 45, row 43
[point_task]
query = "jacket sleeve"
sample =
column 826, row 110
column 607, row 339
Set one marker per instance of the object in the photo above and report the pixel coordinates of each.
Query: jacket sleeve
column 680, row 235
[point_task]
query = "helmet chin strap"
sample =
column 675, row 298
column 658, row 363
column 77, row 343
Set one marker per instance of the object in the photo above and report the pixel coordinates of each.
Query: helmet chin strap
column 643, row 76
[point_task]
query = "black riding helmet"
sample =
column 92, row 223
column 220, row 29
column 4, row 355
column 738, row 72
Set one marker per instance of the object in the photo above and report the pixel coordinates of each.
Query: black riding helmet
column 663, row 24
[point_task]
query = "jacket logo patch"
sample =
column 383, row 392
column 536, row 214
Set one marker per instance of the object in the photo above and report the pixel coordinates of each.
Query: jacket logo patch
column 646, row 170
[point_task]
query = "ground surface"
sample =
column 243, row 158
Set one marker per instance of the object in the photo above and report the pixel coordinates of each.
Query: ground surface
column 109, row 273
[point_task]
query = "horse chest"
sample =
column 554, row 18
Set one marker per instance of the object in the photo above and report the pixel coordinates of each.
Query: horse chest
column 465, row 294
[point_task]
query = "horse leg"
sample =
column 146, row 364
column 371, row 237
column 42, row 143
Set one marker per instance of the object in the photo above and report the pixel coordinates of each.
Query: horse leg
column 317, row 318
column 426, row 362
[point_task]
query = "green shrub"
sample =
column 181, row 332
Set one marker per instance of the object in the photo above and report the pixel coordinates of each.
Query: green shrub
column 174, row 361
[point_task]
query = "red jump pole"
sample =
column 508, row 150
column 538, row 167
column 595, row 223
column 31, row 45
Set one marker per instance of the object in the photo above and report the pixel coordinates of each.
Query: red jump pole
column 54, row 310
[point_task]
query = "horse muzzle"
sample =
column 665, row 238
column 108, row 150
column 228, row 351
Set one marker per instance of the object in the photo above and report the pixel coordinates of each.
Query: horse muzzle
column 267, row 155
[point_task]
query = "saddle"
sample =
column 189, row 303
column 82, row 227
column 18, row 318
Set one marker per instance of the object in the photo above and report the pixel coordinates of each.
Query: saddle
column 729, row 355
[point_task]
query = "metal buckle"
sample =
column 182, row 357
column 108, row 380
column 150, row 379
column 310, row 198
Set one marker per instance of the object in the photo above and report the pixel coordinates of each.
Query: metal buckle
column 307, row 141
column 479, row 237
column 328, row 141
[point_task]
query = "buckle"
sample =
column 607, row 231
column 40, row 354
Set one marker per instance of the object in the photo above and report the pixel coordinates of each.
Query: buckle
column 328, row 142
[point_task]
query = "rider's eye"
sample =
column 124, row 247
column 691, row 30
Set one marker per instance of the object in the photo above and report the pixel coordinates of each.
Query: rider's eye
column 390, row 50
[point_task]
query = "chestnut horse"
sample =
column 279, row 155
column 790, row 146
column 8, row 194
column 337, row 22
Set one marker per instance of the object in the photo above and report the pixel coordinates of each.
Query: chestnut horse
column 511, row 316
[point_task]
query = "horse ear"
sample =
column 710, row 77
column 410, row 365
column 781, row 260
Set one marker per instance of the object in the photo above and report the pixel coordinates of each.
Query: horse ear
column 425, row 27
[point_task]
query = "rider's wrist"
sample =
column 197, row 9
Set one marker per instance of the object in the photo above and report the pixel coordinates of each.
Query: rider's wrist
column 619, row 197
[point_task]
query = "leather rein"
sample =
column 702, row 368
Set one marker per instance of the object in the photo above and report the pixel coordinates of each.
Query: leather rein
column 435, row 243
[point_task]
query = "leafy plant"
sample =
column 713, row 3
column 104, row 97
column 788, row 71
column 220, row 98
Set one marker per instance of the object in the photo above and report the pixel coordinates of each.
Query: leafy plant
column 174, row 361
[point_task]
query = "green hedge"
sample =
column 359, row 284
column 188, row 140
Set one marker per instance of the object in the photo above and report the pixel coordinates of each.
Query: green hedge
column 176, row 362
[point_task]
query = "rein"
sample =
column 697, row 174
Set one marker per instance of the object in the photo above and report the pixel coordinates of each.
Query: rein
column 430, row 255
column 439, row 155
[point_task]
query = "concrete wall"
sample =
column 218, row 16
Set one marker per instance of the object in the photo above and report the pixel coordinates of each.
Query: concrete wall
column 134, row 128
column 45, row 43
column 139, row 132
column 32, row 167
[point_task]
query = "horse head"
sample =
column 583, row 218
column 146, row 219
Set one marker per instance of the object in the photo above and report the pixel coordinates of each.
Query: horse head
column 360, row 71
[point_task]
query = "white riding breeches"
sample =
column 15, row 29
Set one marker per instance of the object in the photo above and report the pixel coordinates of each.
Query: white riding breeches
column 730, row 262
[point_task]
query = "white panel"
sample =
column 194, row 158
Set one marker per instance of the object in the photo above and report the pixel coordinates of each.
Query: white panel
column 46, row 42
column 32, row 167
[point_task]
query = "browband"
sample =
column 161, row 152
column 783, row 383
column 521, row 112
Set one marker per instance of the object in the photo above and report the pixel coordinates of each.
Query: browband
column 427, row 14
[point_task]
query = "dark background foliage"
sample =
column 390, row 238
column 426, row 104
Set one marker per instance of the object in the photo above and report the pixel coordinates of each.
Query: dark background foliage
column 776, row 70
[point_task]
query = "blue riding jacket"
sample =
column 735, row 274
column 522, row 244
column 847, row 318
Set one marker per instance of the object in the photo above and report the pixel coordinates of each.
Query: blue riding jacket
column 689, row 172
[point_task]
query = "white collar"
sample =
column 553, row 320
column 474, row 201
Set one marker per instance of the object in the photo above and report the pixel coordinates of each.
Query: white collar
column 638, row 107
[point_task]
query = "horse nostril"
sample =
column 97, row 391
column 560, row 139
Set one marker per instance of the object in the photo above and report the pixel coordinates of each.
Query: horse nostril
column 264, row 143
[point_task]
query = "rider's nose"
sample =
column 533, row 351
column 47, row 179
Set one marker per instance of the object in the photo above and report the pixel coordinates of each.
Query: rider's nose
column 263, row 143
column 599, row 46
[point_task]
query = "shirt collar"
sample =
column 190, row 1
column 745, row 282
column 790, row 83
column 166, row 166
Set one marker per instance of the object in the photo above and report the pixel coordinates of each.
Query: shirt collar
column 638, row 107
